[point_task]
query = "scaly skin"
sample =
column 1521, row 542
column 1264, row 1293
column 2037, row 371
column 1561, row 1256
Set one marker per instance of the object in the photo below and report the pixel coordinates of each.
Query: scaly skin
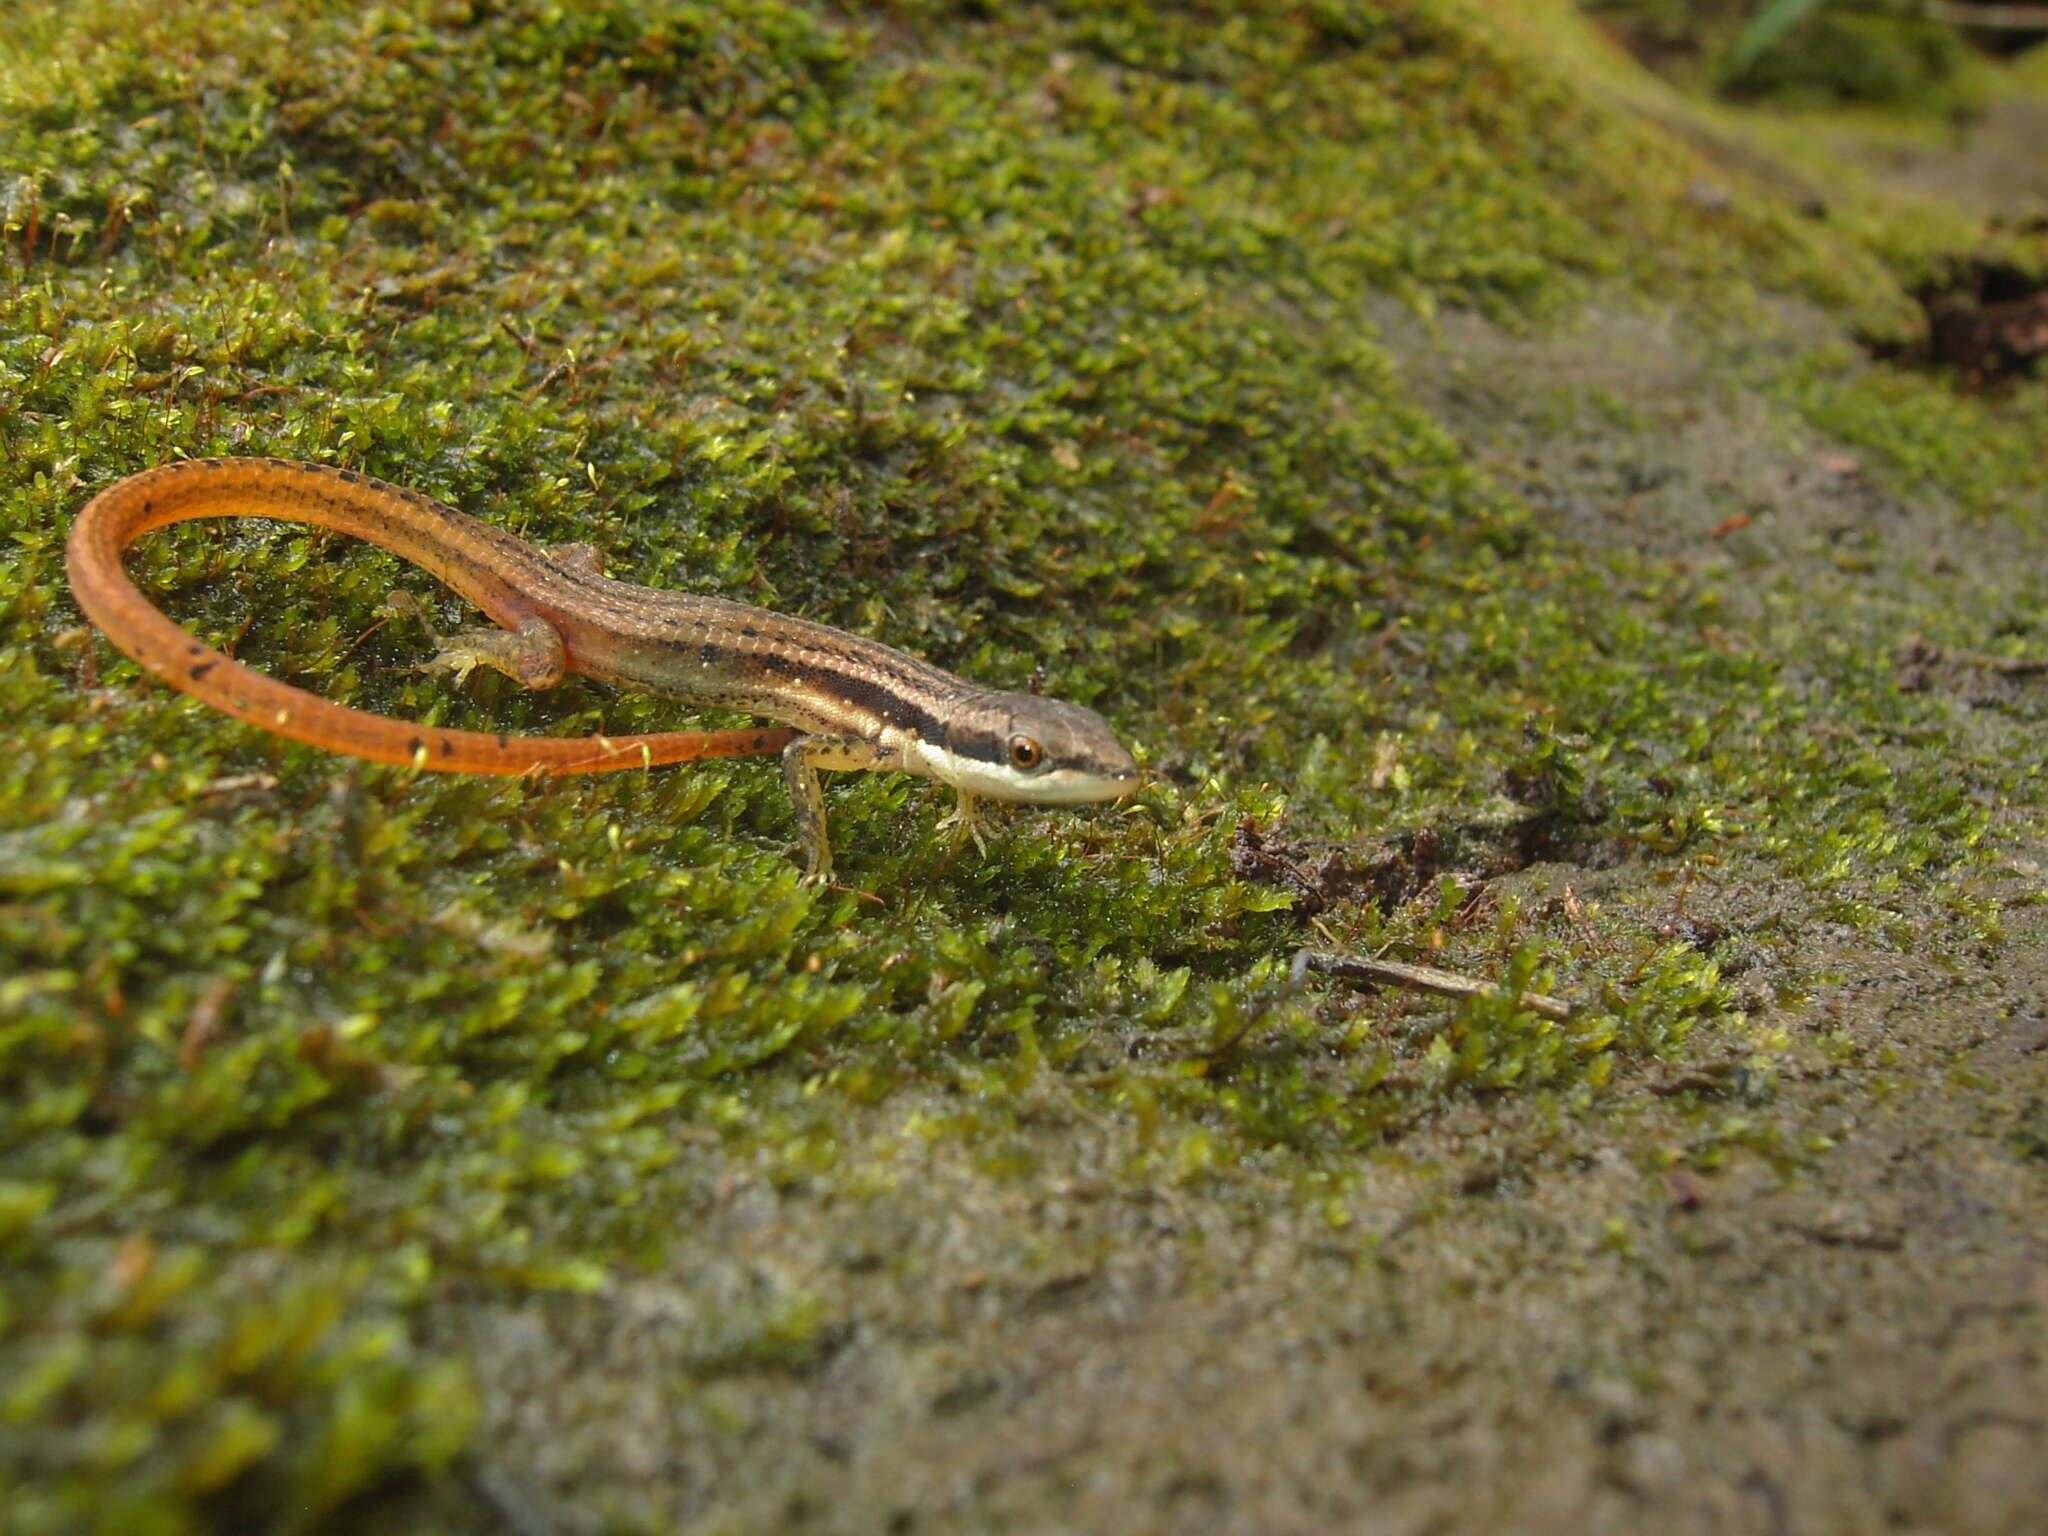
column 855, row 703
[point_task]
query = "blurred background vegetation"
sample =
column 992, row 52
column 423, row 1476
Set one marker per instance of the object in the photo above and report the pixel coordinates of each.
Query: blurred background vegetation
column 1823, row 51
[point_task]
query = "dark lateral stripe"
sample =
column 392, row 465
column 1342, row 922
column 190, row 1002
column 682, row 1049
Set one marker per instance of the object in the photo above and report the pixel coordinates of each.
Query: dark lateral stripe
column 763, row 679
column 870, row 697
column 981, row 746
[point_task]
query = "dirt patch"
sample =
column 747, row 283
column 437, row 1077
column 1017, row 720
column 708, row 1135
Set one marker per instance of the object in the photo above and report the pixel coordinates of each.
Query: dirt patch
column 1989, row 326
column 1505, row 1329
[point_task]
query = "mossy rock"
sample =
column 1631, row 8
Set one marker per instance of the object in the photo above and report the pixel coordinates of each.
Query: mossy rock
column 1361, row 405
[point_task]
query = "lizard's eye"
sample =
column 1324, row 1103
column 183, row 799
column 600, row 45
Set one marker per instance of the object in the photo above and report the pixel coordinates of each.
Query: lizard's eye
column 1026, row 753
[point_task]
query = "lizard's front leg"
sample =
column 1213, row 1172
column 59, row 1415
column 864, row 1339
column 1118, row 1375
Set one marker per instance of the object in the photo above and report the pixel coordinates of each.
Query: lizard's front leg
column 801, row 761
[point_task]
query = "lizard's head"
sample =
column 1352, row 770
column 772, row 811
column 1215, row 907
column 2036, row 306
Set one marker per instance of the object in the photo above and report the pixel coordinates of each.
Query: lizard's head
column 1018, row 746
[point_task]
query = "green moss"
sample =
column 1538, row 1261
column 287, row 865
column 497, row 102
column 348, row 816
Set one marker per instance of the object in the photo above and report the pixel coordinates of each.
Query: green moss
column 1927, row 439
column 1837, row 55
column 1043, row 339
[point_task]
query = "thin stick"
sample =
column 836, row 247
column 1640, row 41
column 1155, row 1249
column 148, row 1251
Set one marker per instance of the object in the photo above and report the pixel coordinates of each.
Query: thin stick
column 2008, row 666
column 2018, row 17
column 1917, row 650
column 1421, row 978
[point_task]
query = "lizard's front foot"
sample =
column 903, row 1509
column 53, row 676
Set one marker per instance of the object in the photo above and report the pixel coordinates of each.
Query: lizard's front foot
column 965, row 821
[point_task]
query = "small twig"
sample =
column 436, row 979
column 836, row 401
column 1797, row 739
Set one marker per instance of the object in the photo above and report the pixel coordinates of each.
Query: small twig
column 204, row 1020
column 526, row 343
column 238, row 784
column 350, row 649
column 2005, row 666
column 1421, row 978
column 2022, row 18
column 1918, row 650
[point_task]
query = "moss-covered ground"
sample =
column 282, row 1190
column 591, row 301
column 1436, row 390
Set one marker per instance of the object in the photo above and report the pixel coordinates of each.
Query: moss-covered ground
column 1444, row 453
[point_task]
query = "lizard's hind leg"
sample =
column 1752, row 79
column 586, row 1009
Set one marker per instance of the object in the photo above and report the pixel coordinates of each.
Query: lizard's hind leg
column 530, row 655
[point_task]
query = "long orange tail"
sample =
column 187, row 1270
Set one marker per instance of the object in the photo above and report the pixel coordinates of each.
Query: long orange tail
column 310, row 493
